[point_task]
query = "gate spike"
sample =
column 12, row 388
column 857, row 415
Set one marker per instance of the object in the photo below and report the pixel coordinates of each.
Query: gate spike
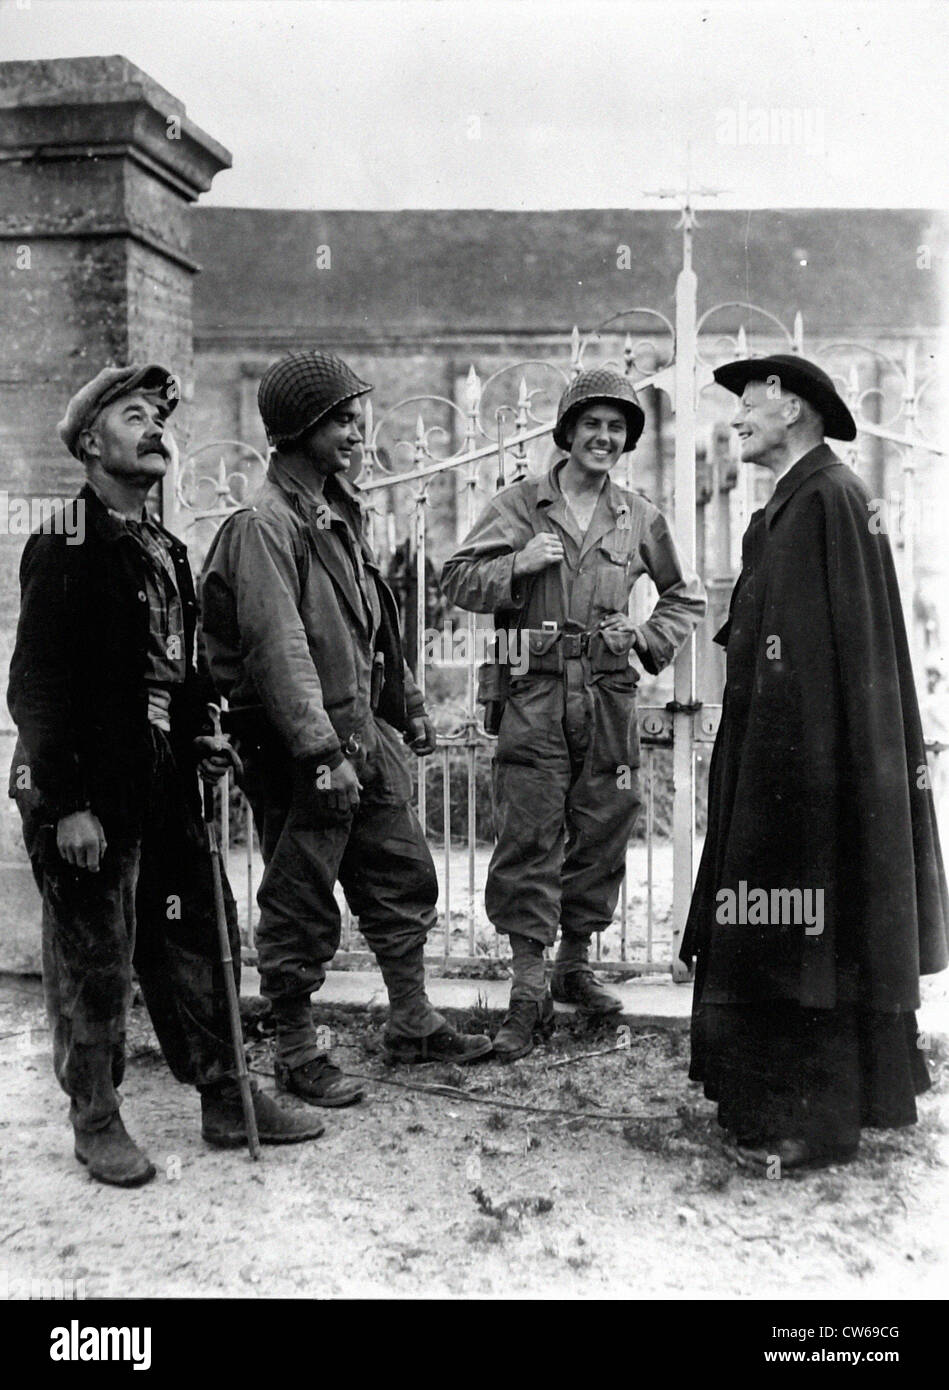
column 575, row 350
column 473, row 388
column 797, row 341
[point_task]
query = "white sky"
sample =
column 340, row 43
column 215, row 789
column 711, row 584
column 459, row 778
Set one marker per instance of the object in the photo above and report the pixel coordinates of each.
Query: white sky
column 373, row 103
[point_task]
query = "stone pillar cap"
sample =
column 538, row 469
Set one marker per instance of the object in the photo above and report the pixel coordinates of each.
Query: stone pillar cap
column 57, row 105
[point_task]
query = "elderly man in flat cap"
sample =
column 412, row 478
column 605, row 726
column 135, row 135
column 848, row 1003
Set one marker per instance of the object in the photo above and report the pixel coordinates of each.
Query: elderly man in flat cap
column 820, row 897
column 109, row 713
column 555, row 559
column 302, row 636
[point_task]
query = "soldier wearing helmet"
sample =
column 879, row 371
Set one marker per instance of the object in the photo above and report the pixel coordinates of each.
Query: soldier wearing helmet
column 555, row 558
column 302, row 637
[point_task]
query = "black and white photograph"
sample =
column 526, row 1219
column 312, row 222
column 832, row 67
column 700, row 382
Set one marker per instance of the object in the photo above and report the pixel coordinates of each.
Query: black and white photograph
column 474, row 632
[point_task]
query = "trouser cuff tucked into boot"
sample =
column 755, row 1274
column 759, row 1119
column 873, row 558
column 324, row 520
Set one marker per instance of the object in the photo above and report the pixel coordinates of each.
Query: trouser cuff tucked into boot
column 573, row 953
column 529, row 972
column 410, row 1012
column 296, row 1032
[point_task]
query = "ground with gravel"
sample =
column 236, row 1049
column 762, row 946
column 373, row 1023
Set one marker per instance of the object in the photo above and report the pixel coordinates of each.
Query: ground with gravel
column 442, row 1194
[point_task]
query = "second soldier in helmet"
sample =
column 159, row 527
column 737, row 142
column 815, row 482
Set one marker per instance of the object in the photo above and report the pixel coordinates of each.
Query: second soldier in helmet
column 302, row 636
column 554, row 557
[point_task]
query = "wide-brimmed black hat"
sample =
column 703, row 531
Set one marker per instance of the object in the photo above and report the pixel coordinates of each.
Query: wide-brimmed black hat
column 796, row 374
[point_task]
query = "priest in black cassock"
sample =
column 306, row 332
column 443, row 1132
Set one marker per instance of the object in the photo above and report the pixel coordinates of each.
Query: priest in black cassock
column 820, row 897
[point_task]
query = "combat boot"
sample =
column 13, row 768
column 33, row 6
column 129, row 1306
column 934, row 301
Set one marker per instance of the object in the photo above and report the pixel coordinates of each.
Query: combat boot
column 583, row 989
column 444, row 1045
column 222, row 1120
column 527, row 1021
column 112, row 1156
column 318, row 1082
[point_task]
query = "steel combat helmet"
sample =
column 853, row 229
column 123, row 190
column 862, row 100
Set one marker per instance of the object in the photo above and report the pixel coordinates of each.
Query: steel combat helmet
column 599, row 384
column 301, row 388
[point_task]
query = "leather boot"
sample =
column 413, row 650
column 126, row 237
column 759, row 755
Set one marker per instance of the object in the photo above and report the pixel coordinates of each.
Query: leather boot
column 444, row 1045
column 410, row 1010
column 112, row 1156
column 222, row 1120
column 318, row 1082
column 583, row 989
column 527, row 1021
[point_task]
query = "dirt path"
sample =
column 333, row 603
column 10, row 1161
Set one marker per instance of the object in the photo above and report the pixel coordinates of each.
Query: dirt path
column 383, row 1204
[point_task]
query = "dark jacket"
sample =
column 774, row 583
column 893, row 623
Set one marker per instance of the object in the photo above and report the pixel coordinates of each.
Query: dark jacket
column 298, row 628
column 818, row 778
column 77, row 689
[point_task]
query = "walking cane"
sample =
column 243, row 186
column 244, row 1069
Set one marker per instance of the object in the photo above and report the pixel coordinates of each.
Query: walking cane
column 227, row 960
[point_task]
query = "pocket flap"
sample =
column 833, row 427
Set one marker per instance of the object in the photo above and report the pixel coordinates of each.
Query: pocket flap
column 617, row 550
column 609, row 651
column 542, row 642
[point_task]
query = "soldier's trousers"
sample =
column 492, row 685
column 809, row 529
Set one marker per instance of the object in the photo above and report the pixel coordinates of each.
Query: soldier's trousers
column 566, row 794
column 150, row 906
column 379, row 856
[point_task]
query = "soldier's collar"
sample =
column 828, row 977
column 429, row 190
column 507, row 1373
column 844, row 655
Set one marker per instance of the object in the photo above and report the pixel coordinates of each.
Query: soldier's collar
column 549, row 490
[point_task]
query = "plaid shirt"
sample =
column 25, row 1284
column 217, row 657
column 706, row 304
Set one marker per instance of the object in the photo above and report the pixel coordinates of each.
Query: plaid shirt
column 166, row 664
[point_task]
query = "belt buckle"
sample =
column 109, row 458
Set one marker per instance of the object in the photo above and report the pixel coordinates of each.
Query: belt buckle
column 572, row 645
column 352, row 745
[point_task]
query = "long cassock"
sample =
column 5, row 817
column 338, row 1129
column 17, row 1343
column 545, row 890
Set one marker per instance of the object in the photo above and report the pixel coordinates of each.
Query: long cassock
column 805, row 1029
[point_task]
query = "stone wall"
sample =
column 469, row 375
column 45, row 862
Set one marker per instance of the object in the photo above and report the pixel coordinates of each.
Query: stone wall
column 98, row 168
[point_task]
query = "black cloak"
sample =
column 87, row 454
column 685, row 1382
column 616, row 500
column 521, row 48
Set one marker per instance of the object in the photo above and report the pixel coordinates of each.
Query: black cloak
column 818, row 777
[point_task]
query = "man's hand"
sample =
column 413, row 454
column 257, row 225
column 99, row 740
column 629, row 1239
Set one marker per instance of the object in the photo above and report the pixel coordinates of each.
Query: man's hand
column 215, row 755
column 617, row 622
column 420, row 736
column 81, row 841
column 342, row 794
column 540, row 551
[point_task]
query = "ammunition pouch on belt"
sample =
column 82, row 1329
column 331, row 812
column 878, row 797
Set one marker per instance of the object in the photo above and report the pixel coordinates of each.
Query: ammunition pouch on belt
column 609, row 651
column 548, row 650
column 545, row 654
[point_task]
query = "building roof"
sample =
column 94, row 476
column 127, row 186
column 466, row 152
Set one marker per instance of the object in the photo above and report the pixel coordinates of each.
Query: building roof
column 434, row 274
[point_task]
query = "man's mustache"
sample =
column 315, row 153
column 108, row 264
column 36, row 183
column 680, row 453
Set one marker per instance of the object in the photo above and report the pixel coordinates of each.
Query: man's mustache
column 153, row 445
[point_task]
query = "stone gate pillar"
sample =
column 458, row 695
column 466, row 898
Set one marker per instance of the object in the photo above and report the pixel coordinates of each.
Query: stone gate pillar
column 98, row 168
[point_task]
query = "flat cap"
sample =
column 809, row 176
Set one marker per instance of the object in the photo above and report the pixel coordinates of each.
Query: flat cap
column 799, row 376
column 108, row 386
column 299, row 389
column 600, row 384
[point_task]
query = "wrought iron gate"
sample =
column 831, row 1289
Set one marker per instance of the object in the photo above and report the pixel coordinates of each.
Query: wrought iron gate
column 489, row 431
